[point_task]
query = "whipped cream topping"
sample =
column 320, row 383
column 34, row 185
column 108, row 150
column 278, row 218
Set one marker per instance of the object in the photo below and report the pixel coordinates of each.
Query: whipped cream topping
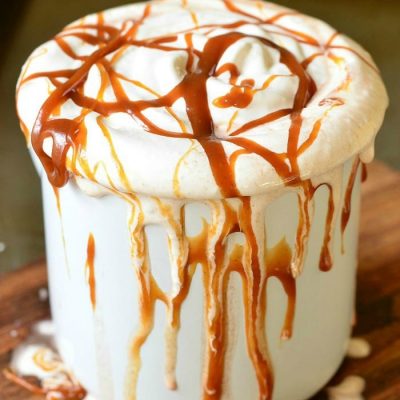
column 198, row 99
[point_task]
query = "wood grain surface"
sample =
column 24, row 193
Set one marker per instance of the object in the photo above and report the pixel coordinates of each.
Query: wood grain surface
column 378, row 300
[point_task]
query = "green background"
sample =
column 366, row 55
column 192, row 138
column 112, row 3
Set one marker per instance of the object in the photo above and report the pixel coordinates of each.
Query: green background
column 26, row 24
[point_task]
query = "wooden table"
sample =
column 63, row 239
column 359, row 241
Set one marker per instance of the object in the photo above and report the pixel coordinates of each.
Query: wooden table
column 378, row 303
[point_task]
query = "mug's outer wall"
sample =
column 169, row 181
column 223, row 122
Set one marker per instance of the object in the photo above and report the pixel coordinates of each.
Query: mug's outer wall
column 95, row 343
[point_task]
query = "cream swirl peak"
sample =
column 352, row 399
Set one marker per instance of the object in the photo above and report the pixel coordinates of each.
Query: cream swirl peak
column 198, row 99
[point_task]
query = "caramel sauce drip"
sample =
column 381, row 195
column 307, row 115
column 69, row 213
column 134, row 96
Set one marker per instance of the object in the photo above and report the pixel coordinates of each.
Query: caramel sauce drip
column 255, row 284
column 90, row 268
column 215, row 279
column 210, row 250
column 346, row 210
column 325, row 259
column 364, row 172
column 278, row 262
column 253, row 261
column 304, row 197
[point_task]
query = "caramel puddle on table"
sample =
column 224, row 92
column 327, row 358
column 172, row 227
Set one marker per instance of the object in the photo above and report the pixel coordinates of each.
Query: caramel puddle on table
column 192, row 89
column 347, row 199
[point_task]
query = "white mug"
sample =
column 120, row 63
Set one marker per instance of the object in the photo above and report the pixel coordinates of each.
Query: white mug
column 95, row 302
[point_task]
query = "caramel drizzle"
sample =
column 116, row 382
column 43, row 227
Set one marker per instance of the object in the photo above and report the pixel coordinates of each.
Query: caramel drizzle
column 278, row 262
column 346, row 210
column 90, row 269
column 253, row 262
column 210, row 249
column 192, row 89
column 148, row 294
column 364, row 172
column 248, row 261
column 325, row 259
column 241, row 94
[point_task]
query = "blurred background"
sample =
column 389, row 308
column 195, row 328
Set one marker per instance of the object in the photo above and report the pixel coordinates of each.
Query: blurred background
column 27, row 23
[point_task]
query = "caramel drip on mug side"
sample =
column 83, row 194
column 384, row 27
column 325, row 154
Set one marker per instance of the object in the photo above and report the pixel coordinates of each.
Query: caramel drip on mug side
column 90, row 269
column 211, row 251
column 346, row 210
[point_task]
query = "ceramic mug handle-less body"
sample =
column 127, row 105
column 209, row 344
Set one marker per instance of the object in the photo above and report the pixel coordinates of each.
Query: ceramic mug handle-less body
column 98, row 318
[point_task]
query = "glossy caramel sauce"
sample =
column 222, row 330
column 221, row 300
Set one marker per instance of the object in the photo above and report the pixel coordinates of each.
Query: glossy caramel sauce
column 253, row 261
column 90, row 268
column 348, row 196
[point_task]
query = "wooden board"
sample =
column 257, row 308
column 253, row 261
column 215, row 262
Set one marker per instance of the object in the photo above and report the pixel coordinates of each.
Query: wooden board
column 378, row 301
